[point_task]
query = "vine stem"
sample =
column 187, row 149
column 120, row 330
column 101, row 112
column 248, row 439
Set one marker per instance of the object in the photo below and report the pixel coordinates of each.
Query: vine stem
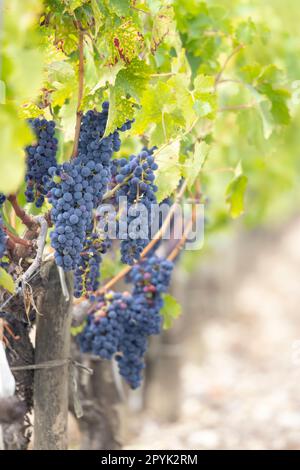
column 163, row 74
column 16, row 239
column 174, row 253
column 112, row 191
column 20, row 213
column 41, row 241
column 140, row 10
column 234, row 52
column 80, row 93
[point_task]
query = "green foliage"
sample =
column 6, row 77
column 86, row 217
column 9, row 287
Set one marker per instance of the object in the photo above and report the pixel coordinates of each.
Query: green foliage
column 6, row 281
column 235, row 195
column 168, row 174
column 171, row 311
column 195, row 163
column 22, row 63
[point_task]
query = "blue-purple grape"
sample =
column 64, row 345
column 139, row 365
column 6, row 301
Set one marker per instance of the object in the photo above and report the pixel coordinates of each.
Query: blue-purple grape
column 78, row 187
column 136, row 178
column 119, row 325
column 40, row 157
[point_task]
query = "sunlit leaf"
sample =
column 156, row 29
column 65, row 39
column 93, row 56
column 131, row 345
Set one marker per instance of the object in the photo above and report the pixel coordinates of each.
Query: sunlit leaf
column 168, row 174
column 170, row 311
column 162, row 24
column 235, row 195
column 6, row 281
column 120, row 7
column 194, row 164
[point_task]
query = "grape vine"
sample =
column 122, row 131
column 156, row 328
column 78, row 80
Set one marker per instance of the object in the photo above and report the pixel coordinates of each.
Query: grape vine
column 121, row 108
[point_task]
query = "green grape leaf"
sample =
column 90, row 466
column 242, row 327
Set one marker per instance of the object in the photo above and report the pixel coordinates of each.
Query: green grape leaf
column 133, row 79
column 278, row 98
column 168, row 174
column 184, row 99
column 61, row 78
column 120, row 7
column 180, row 64
column 98, row 16
column 162, row 25
column 130, row 81
column 245, row 32
column 266, row 118
column 7, row 281
column 204, row 84
column 250, row 72
column 73, row 4
column 166, row 110
column 124, row 43
column 68, row 118
column 271, row 73
column 60, row 71
column 108, row 75
column 235, row 195
column 29, row 110
column 194, row 164
column 121, row 109
column 205, row 97
column 170, row 311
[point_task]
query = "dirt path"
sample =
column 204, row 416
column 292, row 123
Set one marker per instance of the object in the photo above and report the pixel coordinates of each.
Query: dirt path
column 243, row 390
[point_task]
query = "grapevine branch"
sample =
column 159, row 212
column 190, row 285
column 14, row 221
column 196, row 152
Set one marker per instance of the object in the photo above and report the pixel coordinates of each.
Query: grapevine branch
column 234, row 52
column 174, row 253
column 80, row 93
column 11, row 244
column 41, row 241
column 23, row 216
column 112, row 191
column 16, row 239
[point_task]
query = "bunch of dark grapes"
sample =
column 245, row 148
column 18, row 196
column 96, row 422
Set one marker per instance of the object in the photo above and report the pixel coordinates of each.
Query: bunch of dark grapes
column 40, row 157
column 104, row 329
column 151, row 278
column 119, row 324
column 80, row 188
column 87, row 273
column 3, row 237
column 136, row 179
